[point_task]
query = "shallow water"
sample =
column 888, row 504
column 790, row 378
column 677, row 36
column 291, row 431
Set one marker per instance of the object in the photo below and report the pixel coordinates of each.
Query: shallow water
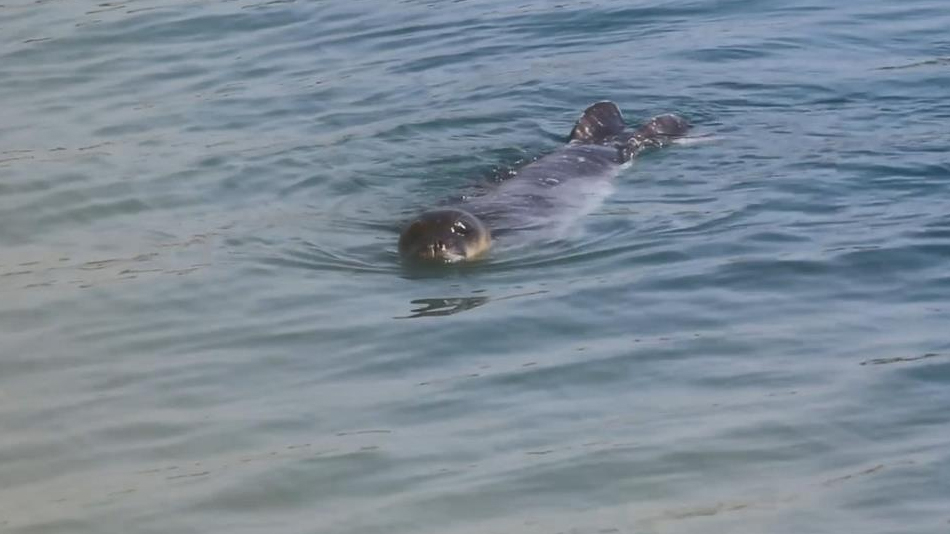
column 204, row 326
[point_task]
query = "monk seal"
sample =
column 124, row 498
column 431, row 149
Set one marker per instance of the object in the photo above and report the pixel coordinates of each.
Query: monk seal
column 564, row 180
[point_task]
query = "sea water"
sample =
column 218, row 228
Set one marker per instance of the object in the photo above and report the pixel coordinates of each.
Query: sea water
column 205, row 327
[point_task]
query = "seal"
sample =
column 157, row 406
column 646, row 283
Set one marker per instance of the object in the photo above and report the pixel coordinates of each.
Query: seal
column 569, row 180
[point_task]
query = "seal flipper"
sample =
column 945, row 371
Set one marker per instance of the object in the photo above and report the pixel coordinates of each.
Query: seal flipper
column 599, row 122
column 667, row 127
column 656, row 133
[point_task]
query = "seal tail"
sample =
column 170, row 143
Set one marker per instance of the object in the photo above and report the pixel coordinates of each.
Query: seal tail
column 658, row 132
column 599, row 122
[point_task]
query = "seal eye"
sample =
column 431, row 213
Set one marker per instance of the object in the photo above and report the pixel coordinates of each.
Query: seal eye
column 459, row 228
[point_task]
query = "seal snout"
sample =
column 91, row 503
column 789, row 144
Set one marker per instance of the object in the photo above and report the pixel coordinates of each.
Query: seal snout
column 434, row 250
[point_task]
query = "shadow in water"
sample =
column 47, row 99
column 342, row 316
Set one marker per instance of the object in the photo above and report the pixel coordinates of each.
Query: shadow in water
column 438, row 307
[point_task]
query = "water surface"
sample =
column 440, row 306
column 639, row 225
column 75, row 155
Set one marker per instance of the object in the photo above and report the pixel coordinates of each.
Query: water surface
column 205, row 327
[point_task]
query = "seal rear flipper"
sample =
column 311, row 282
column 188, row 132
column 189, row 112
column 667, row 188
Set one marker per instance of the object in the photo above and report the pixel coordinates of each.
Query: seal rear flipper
column 667, row 126
column 599, row 122
column 656, row 133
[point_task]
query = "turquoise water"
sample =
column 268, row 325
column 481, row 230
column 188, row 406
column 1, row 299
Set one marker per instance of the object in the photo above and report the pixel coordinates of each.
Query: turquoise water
column 205, row 328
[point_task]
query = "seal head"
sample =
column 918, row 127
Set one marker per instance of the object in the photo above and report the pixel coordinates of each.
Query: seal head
column 444, row 236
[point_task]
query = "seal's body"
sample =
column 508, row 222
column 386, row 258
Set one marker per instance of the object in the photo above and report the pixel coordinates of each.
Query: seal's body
column 565, row 180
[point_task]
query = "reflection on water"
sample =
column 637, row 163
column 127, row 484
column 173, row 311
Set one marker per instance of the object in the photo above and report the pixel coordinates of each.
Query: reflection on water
column 443, row 306
column 899, row 359
column 925, row 63
column 437, row 307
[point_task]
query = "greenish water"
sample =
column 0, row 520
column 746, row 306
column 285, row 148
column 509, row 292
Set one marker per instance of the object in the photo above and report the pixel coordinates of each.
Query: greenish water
column 205, row 328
